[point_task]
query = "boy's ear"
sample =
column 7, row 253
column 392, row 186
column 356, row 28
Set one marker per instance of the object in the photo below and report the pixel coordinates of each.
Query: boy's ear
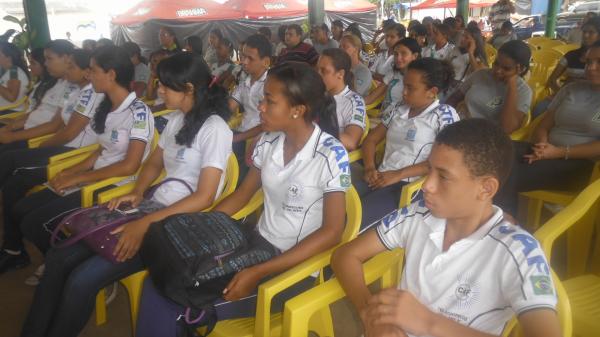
column 489, row 187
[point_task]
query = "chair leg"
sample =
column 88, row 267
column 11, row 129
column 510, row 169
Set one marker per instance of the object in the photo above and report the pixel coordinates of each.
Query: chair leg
column 134, row 285
column 322, row 323
column 101, row 307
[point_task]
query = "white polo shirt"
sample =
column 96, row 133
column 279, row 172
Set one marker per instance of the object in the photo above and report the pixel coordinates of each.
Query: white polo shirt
column 294, row 193
column 218, row 70
column 248, row 95
column 211, row 147
column 408, row 141
column 383, row 63
column 15, row 73
column 132, row 120
column 443, row 53
column 54, row 99
column 481, row 281
column 86, row 104
column 350, row 109
column 395, row 86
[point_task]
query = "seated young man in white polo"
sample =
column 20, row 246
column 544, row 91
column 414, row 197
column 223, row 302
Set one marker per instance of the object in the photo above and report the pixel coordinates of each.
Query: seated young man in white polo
column 467, row 271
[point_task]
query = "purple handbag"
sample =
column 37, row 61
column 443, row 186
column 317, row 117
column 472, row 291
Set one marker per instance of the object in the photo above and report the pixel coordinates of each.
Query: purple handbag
column 94, row 224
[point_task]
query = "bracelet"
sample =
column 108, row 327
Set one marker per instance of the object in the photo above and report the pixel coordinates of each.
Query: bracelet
column 567, row 151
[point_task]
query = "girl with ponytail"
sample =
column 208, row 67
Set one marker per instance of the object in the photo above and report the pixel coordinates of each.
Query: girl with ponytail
column 409, row 129
column 124, row 129
column 335, row 68
column 303, row 171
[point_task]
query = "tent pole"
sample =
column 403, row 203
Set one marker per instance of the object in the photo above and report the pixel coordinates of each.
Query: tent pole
column 37, row 20
column 462, row 8
column 316, row 12
column 551, row 18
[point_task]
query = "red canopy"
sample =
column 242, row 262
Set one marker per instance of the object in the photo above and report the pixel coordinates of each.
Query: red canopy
column 206, row 10
column 181, row 10
column 431, row 4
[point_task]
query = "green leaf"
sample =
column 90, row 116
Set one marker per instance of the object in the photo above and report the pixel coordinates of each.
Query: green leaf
column 23, row 22
column 13, row 19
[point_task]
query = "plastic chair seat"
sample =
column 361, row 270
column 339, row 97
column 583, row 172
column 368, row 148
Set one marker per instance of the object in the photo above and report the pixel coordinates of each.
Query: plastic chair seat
column 244, row 327
column 584, row 295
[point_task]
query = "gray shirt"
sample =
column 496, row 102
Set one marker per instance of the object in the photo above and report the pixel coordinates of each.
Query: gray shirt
column 331, row 43
column 485, row 95
column 362, row 79
column 576, row 115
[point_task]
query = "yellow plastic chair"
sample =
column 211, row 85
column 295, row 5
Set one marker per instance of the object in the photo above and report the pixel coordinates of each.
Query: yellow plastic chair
column 409, row 192
column 21, row 104
column 235, row 120
column 536, row 41
column 134, row 283
column 549, row 44
column 523, row 132
column 491, row 53
column 372, row 109
column 356, row 154
column 162, row 113
column 543, row 63
column 565, row 48
column 301, row 314
column 33, row 143
column 264, row 324
column 583, row 290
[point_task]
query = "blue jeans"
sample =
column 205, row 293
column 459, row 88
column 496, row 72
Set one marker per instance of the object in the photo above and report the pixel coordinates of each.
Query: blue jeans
column 65, row 298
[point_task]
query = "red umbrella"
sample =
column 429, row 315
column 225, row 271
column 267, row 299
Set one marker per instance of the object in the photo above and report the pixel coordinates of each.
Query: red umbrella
column 254, row 9
column 181, row 10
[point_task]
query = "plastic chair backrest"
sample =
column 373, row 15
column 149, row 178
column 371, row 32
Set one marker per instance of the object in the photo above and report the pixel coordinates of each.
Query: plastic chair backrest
column 491, row 53
column 408, row 192
column 367, row 128
column 565, row 48
column 542, row 64
column 549, row 44
column 232, row 175
column 22, row 103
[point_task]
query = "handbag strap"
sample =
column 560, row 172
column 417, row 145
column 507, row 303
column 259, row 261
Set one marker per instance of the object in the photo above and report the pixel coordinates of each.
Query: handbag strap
column 61, row 226
column 151, row 191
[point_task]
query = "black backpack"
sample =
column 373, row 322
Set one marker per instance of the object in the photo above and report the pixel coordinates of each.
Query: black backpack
column 192, row 257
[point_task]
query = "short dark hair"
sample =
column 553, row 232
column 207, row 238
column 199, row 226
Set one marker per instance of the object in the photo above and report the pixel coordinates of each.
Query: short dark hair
column 297, row 28
column 420, row 29
column 450, row 21
column 281, row 32
column 337, row 23
column 436, row 73
column 485, row 147
column 519, row 52
column 132, row 49
column 398, row 28
column 442, row 28
column 261, row 44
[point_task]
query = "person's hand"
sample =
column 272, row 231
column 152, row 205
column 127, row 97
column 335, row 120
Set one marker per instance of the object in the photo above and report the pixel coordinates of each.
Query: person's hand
column 400, row 309
column 133, row 199
column 541, row 151
column 385, row 179
column 62, row 181
column 130, row 241
column 371, row 175
column 242, row 284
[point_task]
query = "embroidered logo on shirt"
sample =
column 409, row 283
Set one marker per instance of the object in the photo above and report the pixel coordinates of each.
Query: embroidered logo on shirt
column 466, row 292
column 180, row 154
column 541, row 285
column 294, row 192
column 114, row 136
column 345, row 180
column 495, row 102
column 359, row 118
column 411, row 134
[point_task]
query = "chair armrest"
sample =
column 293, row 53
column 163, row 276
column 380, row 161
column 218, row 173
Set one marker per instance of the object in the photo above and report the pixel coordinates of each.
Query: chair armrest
column 16, row 104
column 35, row 142
column 355, row 155
column 408, row 191
column 12, row 115
column 54, row 168
column 87, row 192
column 116, row 192
column 72, row 153
column 162, row 113
column 298, row 310
column 255, row 202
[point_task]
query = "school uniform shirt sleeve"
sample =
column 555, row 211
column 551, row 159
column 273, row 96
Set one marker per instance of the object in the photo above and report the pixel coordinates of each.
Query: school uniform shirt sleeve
column 214, row 143
column 444, row 116
column 89, row 100
column 237, row 93
column 143, row 123
column 524, row 96
column 362, row 80
column 387, row 115
column 526, row 281
column 394, row 229
column 359, row 113
column 336, row 176
column 260, row 150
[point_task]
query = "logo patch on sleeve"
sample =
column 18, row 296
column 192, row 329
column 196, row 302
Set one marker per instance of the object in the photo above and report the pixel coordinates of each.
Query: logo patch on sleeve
column 345, row 180
column 542, row 285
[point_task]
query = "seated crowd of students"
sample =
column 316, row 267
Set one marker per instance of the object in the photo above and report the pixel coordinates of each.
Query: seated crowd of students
column 446, row 114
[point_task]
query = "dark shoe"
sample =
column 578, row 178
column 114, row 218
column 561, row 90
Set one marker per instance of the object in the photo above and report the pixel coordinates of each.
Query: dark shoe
column 10, row 262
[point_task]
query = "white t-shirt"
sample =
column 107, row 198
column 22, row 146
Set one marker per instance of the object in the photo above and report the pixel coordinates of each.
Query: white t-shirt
column 443, row 54
column 383, row 63
column 86, row 103
column 481, row 281
column 362, row 79
column 15, row 73
column 210, row 148
column 484, row 95
column 141, row 73
column 408, row 141
column 132, row 120
column 248, row 95
column 395, row 86
column 293, row 206
column 350, row 109
column 54, row 99
column 217, row 70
